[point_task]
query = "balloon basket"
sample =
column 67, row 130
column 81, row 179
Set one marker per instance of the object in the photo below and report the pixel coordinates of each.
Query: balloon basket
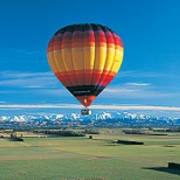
column 85, row 112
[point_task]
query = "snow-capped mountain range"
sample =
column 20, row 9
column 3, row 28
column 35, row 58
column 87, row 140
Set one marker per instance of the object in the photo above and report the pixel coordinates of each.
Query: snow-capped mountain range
column 102, row 119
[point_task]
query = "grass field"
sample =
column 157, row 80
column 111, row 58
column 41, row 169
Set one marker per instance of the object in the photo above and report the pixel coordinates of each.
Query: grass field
column 90, row 159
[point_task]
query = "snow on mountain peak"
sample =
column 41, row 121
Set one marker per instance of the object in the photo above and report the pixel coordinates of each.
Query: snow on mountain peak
column 75, row 116
column 4, row 118
column 19, row 119
column 59, row 116
column 104, row 115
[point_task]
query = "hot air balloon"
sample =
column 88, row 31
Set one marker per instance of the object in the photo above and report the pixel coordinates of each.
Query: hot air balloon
column 85, row 58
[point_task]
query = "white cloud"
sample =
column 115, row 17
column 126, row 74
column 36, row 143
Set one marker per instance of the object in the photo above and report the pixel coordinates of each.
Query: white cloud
column 138, row 84
column 28, row 79
column 100, row 107
column 129, row 87
column 41, row 106
column 136, row 107
column 19, row 74
column 136, row 90
column 136, row 93
column 115, row 91
column 140, row 74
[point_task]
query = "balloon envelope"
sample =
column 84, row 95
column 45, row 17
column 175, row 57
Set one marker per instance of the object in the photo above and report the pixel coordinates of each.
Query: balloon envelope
column 85, row 58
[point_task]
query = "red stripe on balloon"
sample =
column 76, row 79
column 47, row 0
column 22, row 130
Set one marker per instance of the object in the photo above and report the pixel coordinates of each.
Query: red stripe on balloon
column 92, row 77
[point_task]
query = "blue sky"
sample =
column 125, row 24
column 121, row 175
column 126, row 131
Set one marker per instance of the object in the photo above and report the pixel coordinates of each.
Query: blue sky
column 150, row 74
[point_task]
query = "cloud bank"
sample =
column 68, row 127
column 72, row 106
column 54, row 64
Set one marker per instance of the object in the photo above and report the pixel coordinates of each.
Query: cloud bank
column 98, row 107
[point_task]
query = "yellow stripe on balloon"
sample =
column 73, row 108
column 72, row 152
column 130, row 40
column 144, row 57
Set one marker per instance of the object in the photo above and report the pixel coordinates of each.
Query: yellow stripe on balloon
column 100, row 58
column 89, row 56
column 117, row 59
column 109, row 59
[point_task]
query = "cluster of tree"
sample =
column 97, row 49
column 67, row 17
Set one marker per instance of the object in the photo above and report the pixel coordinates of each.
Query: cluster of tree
column 65, row 133
column 14, row 137
column 141, row 132
column 174, row 129
column 127, row 142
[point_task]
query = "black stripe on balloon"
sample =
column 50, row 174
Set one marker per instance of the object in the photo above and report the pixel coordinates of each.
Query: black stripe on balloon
column 90, row 90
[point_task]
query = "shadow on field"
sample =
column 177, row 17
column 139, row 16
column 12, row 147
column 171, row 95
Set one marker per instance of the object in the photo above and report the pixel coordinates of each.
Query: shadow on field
column 164, row 169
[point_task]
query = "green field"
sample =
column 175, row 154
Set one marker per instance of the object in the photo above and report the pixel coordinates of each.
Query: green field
column 80, row 158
